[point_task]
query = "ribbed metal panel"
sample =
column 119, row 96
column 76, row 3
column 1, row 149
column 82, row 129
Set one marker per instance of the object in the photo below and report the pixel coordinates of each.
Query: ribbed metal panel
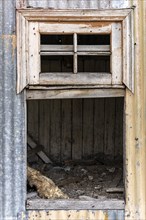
column 12, row 120
column 84, row 4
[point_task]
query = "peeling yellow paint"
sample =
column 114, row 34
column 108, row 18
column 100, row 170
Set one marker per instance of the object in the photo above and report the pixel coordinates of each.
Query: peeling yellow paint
column 68, row 215
column 135, row 117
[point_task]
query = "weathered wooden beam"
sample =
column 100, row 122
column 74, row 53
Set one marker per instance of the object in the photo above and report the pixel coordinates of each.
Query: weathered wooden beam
column 73, row 204
column 74, row 93
column 40, row 149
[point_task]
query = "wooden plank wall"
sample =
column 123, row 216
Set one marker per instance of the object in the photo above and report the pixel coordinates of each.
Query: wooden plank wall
column 78, row 128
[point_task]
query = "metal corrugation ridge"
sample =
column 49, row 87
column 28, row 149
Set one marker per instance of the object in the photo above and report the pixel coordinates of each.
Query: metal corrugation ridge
column 73, row 4
column 12, row 120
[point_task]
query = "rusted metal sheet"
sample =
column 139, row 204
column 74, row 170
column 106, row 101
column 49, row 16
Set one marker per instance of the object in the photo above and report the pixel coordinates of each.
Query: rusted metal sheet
column 12, row 120
column 74, row 215
column 64, row 4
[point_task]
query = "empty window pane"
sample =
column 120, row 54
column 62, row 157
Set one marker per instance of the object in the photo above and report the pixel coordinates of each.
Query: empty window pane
column 94, row 64
column 93, row 39
column 57, row 39
column 56, row 63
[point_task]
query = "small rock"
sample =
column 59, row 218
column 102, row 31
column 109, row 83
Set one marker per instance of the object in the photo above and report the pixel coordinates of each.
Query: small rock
column 95, row 195
column 87, row 198
column 102, row 197
column 67, row 169
column 80, row 192
column 90, row 178
column 57, row 168
column 84, row 171
column 100, row 179
column 97, row 187
column 32, row 195
column 103, row 174
column 111, row 170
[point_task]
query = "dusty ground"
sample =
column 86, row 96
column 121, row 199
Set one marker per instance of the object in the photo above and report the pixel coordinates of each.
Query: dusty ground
column 84, row 179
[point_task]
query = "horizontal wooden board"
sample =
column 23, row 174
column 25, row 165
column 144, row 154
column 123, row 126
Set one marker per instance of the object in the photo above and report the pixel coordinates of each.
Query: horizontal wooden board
column 65, row 27
column 97, row 53
column 64, row 87
column 96, row 204
column 74, row 93
column 97, row 48
column 75, row 15
column 75, row 79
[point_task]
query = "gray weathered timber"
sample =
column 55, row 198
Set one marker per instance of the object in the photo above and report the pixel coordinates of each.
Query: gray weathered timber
column 12, row 121
column 74, row 93
column 62, row 204
column 79, row 128
column 75, row 79
column 109, row 127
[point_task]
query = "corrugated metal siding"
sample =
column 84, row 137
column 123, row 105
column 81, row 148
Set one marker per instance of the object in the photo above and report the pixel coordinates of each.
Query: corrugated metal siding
column 12, row 120
column 78, row 128
column 12, row 116
column 84, row 4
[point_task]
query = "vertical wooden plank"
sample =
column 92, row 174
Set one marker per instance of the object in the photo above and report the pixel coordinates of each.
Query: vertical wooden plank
column 34, row 57
column 75, row 53
column 128, row 52
column 32, row 119
column 44, row 124
column 119, row 127
column 109, row 128
column 76, row 128
column 89, row 65
column 66, row 152
column 99, row 126
column 116, row 57
column 22, row 51
column 55, row 131
column 88, row 128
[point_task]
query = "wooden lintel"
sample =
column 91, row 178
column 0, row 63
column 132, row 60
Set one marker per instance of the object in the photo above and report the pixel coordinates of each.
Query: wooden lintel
column 74, row 93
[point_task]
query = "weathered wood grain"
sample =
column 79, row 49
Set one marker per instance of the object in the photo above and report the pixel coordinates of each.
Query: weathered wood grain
column 75, row 15
column 55, row 130
column 99, row 129
column 74, row 93
column 109, row 127
column 75, row 204
column 77, row 128
column 66, row 129
column 88, row 133
column 77, row 114
column 75, row 79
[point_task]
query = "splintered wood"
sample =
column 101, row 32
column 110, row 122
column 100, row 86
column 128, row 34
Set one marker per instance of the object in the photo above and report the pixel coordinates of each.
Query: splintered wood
column 46, row 188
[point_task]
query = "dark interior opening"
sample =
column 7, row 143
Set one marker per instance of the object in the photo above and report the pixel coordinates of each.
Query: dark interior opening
column 57, row 39
column 99, row 64
column 58, row 64
column 84, row 139
column 94, row 39
column 89, row 59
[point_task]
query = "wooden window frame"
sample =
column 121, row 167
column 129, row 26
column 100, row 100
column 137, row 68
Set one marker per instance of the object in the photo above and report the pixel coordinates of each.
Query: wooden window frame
column 118, row 23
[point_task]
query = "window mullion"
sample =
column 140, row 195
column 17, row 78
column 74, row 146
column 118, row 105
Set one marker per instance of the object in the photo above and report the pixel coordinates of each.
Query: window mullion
column 75, row 70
